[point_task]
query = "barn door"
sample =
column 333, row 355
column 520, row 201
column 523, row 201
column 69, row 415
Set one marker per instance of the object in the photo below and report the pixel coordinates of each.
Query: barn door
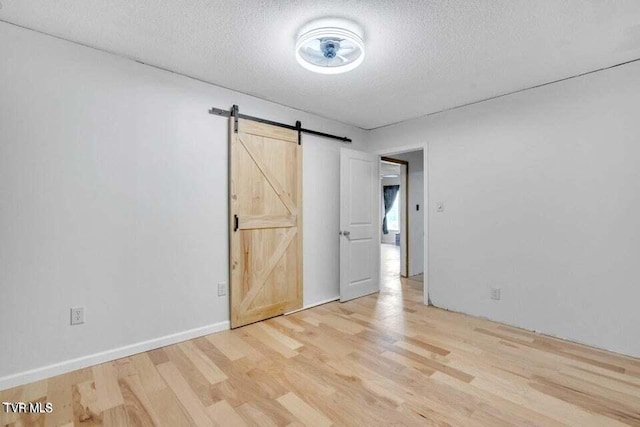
column 266, row 221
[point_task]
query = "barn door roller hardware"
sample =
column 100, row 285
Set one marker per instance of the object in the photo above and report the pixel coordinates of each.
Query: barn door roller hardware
column 235, row 113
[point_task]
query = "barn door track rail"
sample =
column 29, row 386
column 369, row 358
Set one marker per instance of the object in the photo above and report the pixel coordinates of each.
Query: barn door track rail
column 235, row 113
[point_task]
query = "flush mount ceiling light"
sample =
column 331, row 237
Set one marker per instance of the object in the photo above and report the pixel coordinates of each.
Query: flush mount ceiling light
column 330, row 46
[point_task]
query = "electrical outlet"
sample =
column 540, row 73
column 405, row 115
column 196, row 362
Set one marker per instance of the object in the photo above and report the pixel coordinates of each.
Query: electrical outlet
column 495, row 293
column 77, row 315
column 222, row 289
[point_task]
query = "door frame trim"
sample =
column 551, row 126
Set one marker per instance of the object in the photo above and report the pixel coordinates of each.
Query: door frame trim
column 405, row 237
column 425, row 150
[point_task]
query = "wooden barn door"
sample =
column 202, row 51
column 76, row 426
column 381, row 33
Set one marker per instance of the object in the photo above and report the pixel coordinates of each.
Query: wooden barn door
column 266, row 221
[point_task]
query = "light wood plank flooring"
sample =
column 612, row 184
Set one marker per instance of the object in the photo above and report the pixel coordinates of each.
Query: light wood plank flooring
column 380, row 360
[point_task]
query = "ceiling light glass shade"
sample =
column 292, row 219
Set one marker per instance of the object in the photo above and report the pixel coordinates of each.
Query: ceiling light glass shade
column 330, row 50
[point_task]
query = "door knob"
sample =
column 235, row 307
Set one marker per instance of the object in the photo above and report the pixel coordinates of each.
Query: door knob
column 346, row 233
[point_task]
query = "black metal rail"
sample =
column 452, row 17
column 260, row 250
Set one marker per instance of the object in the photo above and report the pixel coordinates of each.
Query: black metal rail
column 235, row 113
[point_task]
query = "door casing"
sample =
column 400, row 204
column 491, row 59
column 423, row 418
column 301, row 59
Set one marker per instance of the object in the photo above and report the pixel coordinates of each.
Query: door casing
column 404, row 183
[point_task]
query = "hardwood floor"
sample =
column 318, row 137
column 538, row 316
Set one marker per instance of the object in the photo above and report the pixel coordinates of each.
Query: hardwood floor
column 380, row 360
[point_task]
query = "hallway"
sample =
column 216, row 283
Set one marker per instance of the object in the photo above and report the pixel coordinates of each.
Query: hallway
column 390, row 262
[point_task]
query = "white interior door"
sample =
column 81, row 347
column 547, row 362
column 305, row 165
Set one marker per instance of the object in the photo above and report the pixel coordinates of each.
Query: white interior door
column 359, row 231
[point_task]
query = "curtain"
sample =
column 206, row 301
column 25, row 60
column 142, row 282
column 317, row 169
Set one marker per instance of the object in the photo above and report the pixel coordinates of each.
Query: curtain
column 389, row 193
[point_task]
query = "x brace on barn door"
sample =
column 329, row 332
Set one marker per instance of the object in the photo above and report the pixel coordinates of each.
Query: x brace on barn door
column 235, row 113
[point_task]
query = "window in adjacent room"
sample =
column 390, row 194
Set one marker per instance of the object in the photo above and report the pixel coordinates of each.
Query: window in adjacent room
column 393, row 216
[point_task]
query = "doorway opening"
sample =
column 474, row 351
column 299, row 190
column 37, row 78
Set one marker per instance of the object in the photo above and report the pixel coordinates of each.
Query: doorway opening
column 402, row 218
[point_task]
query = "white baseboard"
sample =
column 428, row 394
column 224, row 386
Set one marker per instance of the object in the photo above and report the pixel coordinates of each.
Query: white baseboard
column 315, row 304
column 49, row 371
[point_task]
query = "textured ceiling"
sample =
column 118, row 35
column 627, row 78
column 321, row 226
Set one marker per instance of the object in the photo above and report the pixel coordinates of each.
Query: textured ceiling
column 422, row 56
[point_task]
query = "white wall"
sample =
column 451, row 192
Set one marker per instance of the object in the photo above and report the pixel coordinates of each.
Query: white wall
column 542, row 199
column 113, row 196
column 321, row 220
